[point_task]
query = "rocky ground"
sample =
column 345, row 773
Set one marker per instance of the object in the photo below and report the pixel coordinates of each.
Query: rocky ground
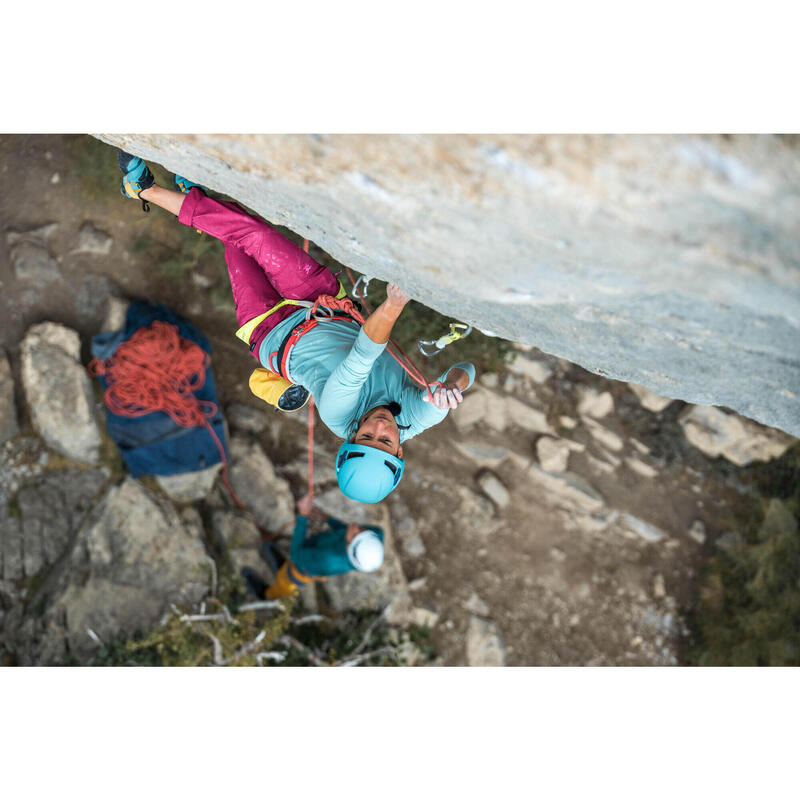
column 555, row 518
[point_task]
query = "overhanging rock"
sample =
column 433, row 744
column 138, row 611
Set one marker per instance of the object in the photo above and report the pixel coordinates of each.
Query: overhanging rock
column 669, row 261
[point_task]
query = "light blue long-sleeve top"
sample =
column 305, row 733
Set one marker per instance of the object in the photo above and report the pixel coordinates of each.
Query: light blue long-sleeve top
column 348, row 374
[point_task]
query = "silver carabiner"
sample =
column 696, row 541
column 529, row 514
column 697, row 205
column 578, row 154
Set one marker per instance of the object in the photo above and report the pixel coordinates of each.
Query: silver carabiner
column 354, row 291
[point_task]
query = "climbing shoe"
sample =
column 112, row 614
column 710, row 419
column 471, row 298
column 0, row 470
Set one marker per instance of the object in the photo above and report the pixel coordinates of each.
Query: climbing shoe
column 294, row 398
column 185, row 185
column 277, row 391
column 137, row 177
column 254, row 582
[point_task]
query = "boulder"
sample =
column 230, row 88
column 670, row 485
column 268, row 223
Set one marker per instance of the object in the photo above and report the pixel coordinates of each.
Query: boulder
column 267, row 496
column 602, row 435
column 649, row 400
column 9, row 427
column 493, row 489
column 189, row 487
column 567, row 491
column 527, row 418
column 115, row 314
column 648, row 532
column 718, row 433
column 132, row 560
column 476, row 606
column 538, row 371
column 33, row 263
column 246, row 418
column 484, row 644
column 240, row 539
column 93, row 240
column 52, row 507
column 697, row 531
column 594, row 403
column 638, row 466
column 59, row 392
column 553, row 454
column 482, row 453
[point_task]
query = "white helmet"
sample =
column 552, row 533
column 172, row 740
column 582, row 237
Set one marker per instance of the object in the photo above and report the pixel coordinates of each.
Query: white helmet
column 366, row 551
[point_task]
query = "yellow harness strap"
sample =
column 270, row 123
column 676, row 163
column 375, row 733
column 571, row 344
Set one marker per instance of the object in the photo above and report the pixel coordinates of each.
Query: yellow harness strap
column 246, row 331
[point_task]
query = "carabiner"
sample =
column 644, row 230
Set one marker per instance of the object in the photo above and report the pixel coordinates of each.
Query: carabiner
column 354, row 291
column 433, row 346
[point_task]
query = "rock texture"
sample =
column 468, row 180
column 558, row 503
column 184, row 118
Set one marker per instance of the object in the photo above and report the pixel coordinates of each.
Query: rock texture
column 671, row 261
column 8, row 410
column 59, row 392
column 132, row 558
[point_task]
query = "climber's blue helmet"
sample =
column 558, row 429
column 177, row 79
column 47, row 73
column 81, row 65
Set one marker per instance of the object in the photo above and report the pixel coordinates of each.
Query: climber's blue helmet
column 366, row 473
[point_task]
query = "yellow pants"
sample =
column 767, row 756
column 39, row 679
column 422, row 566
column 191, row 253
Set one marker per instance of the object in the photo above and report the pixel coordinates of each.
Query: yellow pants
column 287, row 580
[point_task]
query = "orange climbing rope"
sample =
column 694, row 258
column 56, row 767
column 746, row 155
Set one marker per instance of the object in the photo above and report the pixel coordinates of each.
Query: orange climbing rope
column 156, row 369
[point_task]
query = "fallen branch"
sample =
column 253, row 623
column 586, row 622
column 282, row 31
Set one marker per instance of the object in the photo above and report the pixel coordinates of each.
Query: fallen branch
column 271, row 655
column 290, row 641
column 259, row 604
column 373, row 625
column 217, row 650
column 203, row 618
column 355, row 661
column 307, row 620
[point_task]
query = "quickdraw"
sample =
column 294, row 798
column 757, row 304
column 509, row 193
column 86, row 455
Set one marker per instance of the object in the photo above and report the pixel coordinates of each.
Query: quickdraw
column 458, row 330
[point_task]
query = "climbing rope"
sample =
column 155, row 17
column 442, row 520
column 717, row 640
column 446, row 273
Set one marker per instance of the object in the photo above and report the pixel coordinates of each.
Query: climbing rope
column 156, row 369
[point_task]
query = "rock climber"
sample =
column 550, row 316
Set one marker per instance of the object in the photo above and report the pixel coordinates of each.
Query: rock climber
column 363, row 395
column 338, row 549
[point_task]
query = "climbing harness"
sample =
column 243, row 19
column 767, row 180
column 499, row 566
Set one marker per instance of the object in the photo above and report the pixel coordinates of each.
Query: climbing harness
column 156, row 369
column 458, row 330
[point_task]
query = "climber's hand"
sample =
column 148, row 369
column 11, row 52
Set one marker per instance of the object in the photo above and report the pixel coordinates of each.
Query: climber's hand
column 445, row 397
column 395, row 296
column 304, row 505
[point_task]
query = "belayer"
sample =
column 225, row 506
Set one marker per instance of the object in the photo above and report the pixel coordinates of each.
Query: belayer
column 363, row 395
column 338, row 549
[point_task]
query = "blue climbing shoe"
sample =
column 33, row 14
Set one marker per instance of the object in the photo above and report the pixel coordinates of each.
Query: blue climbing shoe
column 185, row 185
column 137, row 177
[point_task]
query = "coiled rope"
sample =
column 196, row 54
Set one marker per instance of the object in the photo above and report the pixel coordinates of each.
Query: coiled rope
column 156, row 369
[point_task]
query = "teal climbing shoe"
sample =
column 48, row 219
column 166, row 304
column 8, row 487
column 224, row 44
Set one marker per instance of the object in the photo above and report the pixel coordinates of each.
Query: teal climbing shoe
column 185, row 185
column 136, row 178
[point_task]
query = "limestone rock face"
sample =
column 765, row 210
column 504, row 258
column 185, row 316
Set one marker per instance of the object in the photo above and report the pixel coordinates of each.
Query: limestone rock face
column 59, row 391
column 669, row 261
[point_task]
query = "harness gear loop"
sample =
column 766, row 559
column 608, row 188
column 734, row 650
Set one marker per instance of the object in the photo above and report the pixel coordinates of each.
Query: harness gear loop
column 433, row 346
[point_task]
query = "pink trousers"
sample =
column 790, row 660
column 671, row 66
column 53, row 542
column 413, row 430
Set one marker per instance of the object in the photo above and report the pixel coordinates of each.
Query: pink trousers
column 264, row 266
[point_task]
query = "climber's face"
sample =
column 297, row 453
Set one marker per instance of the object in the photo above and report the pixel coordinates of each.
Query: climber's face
column 378, row 429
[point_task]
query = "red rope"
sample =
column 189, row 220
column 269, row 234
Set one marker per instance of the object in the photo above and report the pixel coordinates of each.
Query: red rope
column 156, row 369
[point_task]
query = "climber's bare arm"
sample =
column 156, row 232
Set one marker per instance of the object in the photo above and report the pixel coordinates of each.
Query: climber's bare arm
column 380, row 322
column 168, row 199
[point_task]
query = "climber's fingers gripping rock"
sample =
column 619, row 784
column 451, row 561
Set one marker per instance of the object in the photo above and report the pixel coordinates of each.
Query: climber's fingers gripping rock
column 445, row 397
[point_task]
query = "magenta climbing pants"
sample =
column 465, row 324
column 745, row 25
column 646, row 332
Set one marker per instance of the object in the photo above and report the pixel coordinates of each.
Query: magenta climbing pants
column 264, row 266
